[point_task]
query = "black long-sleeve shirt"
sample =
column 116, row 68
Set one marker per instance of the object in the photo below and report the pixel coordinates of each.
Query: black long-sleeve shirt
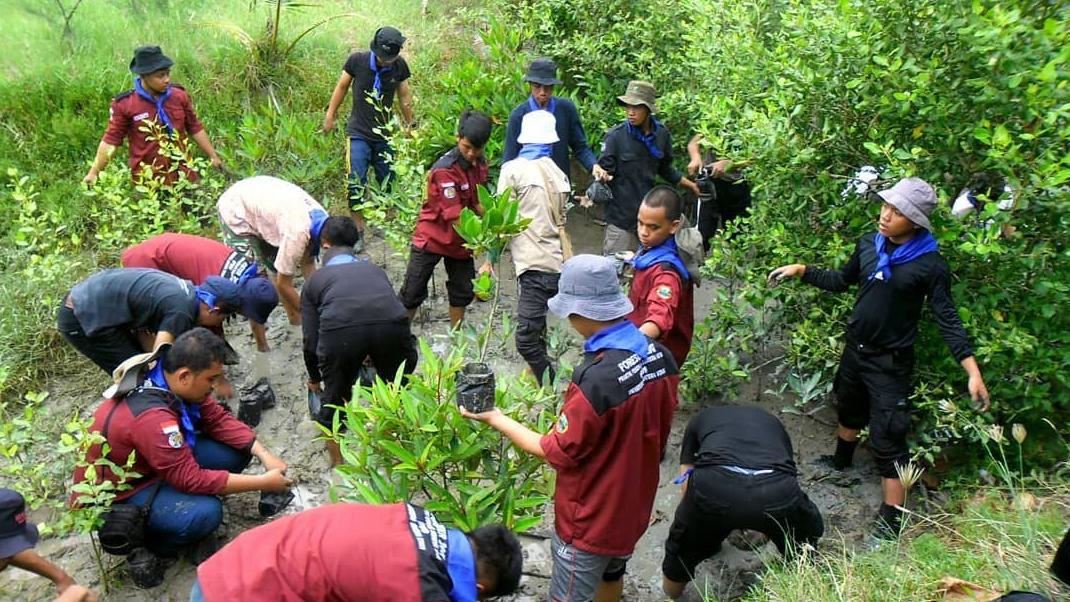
column 886, row 312
column 634, row 171
column 343, row 295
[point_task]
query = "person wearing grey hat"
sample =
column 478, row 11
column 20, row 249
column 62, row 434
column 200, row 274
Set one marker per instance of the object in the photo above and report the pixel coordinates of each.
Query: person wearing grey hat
column 607, row 462
column 634, row 153
column 18, row 536
column 896, row 269
column 154, row 100
column 376, row 76
column 572, row 139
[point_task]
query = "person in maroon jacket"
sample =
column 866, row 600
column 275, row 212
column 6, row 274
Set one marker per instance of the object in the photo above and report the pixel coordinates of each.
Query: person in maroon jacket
column 195, row 258
column 153, row 101
column 187, row 449
column 609, row 438
column 451, row 186
column 390, row 553
column 662, row 289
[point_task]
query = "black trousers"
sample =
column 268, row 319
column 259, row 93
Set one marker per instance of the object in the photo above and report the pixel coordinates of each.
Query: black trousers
column 107, row 348
column 342, row 353
column 459, row 275
column 719, row 501
column 535, row 289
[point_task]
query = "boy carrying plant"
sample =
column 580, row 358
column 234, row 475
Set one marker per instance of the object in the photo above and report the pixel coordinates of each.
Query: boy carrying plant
column 896, row 269
column 662, row 290
column 451, row 186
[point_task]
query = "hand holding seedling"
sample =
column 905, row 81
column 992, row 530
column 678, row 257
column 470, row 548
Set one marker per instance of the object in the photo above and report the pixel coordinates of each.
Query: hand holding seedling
column 601, row 174
column 794, row 270
column 485, row 417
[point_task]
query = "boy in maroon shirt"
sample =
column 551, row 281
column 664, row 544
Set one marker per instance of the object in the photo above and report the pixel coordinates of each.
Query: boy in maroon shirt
column 662, row 289
column 609, row 438
column 451, row 186
column 154, row 100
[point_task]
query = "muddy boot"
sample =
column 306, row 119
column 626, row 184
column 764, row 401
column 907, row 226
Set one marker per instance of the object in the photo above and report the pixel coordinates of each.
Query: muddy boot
column 274, row 502
column 827, row 470
column 146, row 569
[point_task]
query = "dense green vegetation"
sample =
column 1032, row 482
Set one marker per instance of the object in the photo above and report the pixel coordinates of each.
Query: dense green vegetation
column 806, row 92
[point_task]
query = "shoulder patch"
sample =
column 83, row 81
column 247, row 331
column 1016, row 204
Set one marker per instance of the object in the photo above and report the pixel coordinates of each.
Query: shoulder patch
column 664, row 292
column 562, row 423
column 175, row 440
column 122, row 95
column 449, row 191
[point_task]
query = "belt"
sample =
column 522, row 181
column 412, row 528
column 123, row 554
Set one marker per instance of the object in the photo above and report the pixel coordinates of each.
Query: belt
column 750, row 472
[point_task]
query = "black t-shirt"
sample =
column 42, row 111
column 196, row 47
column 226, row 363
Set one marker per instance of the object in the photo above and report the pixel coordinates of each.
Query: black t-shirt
column 743, row 436
column 368, row 115
column 135, row 298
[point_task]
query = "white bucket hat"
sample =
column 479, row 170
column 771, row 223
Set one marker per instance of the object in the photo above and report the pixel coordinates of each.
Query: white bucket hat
column 538, row 127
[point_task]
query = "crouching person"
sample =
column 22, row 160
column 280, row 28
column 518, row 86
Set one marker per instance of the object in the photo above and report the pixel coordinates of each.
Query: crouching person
column 188, row 450
column 738, row 472
column 339, row 552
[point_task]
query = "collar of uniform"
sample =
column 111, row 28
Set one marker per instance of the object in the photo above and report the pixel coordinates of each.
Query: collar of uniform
column 461, row 565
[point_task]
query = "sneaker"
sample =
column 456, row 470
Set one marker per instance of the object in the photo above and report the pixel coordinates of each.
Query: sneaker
column 146, row 568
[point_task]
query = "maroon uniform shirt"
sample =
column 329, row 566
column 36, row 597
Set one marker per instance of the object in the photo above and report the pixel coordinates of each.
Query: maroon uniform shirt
column 607, row 446
column 146, row 422
column 334, row 553
column 130, row 113
column 451, row 186
column 660, row 295
column 189, row 257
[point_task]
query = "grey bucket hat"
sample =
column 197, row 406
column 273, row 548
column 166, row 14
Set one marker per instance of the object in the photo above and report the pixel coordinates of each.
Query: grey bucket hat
column 914, row 198
column 639, row 93
column 589, row 288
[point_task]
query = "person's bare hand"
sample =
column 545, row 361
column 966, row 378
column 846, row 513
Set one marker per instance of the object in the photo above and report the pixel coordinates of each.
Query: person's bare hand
column 315, row 387
column 979, row 393
column 328, row 124
column 601, row 174
column 90, row 178
column 584, row 201
column 688, row 184
column 224, row 390
column 273, row 462
column 486, row 268
column 795, row 270
column 275, row 480
column 693, row 166
column 485, row 417
column 718, row 168
column 217, row 163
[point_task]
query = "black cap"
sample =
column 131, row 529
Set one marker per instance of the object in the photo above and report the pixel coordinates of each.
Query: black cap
column 542, row 71
column 16, row 533
column 149, row 59
column 387, row 43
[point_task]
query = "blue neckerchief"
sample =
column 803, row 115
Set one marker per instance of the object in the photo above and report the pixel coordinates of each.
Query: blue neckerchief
column 550, row 106
column 190, row 412
column 249, row 273
column 912, row 249
column 161, row 112
column 666, row 251
column 318, row 217
column 207, row 298
column 377, row 85
column 341, row 259
column 535, row 151
column 647, row 139
column 461, row 566
column 623, row 335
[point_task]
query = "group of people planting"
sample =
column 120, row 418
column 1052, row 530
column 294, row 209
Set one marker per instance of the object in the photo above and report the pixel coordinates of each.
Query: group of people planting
column 155, row 325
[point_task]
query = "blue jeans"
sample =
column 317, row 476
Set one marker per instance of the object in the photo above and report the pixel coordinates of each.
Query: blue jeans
column 195, row 594
column 179, row 519
column 363, row 153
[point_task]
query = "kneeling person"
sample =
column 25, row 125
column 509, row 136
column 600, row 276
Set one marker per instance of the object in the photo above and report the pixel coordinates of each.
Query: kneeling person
column 738, row 471
column 396, row 552
column 188, row 450
column 349, row 312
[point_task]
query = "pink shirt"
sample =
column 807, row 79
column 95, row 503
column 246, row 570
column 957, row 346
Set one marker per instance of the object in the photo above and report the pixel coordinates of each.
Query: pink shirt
column 274, row 211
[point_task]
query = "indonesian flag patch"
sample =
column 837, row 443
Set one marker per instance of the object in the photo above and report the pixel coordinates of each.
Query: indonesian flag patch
column 173, row 433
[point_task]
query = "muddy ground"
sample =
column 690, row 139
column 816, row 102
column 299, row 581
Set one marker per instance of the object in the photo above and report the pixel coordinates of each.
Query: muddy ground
column 288, row 431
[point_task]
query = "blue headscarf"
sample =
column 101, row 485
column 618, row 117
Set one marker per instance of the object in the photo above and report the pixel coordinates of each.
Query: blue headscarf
column 912, row 249
column 190, row 412
column 623, row 335
column 647, row 139
column 161, row 112
column 666, row 251
column 535, row 151
column 318, row 217
column 377, row 85
column 461, row 566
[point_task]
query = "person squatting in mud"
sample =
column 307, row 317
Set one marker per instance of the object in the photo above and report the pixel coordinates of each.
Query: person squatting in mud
column 187, row 450
column 896, row 269
column 607, row 443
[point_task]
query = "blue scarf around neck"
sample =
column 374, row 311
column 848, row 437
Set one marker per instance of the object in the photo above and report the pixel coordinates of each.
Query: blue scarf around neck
column 623, row 335
column 190, row 412
column 535, row 151
column 648, row 139
column 461, row 566
column 159, row 101
column 666, row 251
column 377, row 85
column 912, row 249
column 342, row 259
column 550, row 105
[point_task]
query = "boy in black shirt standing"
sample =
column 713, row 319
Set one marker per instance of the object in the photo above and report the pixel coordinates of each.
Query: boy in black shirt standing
column 895, row 269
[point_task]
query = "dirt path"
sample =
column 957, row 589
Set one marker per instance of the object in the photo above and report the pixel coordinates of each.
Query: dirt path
column 287, row 430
